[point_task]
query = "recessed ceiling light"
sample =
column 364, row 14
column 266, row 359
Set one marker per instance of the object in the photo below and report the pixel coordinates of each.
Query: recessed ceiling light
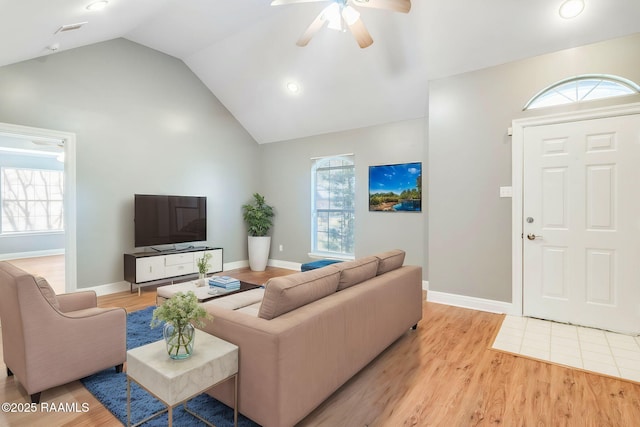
column 571, row 8
column 97, row 5
column 293, row 87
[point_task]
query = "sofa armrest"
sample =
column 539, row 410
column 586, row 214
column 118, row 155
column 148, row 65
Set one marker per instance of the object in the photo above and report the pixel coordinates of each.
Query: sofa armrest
column 258, row 361
column 77, row 301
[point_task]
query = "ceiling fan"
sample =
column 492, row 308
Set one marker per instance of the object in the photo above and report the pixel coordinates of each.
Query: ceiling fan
column 341, row 14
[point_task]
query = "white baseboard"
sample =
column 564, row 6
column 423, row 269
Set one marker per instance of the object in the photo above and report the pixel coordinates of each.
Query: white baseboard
column 271, row 263
column 236, row 264
column 474, row 303
column 32, row 254
column 425, row 285
column 284, row 264
column 109, row 288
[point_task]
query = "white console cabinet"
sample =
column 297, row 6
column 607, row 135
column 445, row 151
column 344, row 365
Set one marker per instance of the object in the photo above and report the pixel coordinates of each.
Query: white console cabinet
column 149, row 268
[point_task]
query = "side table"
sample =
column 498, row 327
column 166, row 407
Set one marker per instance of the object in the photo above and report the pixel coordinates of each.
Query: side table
column 174, row 382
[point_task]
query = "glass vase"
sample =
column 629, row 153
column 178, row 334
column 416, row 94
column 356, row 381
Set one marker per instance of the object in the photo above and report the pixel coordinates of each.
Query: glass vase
column 179, row 340
column 202, row 278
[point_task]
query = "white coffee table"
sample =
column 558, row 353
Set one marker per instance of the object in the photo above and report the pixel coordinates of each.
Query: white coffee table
column 174, row 382
column 203, row 293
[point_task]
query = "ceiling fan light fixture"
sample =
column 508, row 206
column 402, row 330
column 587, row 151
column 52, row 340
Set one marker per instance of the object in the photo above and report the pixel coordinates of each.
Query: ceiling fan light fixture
column 335, row 25
column 571, row 8
column 342, row 15
column 350, row 15
column 332, row 14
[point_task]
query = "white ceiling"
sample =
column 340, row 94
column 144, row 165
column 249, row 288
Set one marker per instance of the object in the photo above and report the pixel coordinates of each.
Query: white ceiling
column 245, row 52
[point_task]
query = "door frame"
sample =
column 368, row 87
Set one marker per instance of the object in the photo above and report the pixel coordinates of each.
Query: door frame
column 70, row 251
column 517, row 182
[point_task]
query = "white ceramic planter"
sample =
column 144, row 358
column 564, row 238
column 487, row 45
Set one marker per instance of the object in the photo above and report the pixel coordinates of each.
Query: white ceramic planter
column 259, row 252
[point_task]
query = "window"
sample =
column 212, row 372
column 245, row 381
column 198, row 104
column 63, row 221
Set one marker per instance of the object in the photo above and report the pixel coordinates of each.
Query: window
column 332, row 206
column 582, row 88
column 32, row 200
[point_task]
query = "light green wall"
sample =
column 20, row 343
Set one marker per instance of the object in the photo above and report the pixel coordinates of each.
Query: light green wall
column 144, row 124
column 470, row 158
column 286, row 183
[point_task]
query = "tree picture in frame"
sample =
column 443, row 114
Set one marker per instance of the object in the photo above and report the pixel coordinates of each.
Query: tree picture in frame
column 395, row 188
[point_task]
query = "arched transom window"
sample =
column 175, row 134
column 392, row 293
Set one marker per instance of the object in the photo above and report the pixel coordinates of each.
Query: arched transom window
column 582, row 88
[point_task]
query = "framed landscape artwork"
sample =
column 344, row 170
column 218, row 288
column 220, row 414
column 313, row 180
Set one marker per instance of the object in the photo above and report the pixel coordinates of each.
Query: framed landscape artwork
column 395, row 188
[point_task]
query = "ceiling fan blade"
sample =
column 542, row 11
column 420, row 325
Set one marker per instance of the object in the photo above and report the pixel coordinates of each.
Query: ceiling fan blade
column 361, row 34
column 402, row 6
column 283, row 2
column 311, row 30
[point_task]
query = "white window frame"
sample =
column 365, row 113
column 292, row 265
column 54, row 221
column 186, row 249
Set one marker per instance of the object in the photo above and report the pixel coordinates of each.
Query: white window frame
column 628, row 86
column 315, row 252
column 70, row 235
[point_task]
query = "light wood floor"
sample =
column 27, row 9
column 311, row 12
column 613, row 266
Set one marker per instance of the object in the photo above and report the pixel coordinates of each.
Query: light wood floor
column 442, row 374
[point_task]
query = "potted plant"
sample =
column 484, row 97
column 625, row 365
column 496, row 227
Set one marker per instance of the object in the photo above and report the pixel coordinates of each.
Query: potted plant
column 178, row 313
column 203, row 267
column 259, row 219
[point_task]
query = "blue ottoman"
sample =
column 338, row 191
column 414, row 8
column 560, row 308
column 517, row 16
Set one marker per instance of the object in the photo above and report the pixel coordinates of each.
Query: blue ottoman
column 317, row 264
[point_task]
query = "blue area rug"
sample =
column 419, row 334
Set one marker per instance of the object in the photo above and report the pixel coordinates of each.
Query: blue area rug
column 110, row 388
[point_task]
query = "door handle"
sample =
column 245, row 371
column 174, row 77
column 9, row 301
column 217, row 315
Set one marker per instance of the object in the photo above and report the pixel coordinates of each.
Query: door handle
column 532, row 236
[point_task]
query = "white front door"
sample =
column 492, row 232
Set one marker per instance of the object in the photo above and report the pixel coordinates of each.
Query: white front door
column 581, row 213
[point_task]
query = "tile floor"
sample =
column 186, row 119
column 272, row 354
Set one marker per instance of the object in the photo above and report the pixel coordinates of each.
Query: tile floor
column 590, row 349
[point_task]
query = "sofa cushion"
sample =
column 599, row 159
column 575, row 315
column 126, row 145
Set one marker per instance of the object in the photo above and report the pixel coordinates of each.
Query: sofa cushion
column 286, row 293
column 47, row 291
column 356, row 271
column 251, row 310
column 390, row 260
column 237, row 301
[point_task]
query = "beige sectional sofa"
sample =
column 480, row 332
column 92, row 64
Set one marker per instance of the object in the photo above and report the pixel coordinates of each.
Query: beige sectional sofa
column 306, row 334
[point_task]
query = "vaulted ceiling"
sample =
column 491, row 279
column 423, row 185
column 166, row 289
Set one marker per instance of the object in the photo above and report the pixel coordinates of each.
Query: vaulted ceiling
column 245, row 51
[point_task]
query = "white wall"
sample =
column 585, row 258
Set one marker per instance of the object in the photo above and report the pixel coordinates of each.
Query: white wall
column 144, row 124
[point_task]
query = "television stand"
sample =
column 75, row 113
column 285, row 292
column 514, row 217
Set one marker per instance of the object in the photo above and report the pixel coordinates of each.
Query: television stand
column 193, row 248
column 153, row 268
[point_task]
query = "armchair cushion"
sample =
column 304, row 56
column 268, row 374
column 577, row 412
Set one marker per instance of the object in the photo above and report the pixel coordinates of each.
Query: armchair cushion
column 47, row 291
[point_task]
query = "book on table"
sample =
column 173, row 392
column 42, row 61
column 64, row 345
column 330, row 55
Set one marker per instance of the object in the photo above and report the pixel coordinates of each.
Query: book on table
column 225, row 282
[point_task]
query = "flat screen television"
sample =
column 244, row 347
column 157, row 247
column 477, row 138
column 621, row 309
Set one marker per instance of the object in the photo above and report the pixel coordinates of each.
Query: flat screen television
column 165, row 220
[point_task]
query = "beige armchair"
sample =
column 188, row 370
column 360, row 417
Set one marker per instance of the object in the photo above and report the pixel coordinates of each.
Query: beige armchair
column 49, row 340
